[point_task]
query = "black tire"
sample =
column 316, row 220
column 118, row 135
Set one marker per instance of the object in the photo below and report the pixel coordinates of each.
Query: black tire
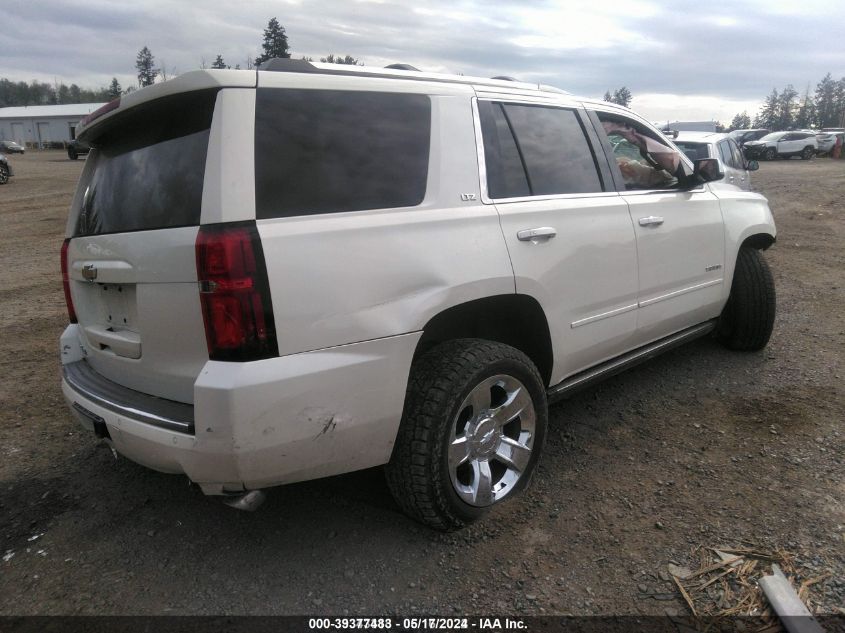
column 748, row 318
column 770, row 154
column 4, row 174
column 72, row 155
column 419, row 474
column 808, row 153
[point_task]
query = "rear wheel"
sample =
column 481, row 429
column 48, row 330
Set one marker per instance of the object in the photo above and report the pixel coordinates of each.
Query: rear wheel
column 771, row 154
column 808, row 153
column 471, row 434
column 4, row 174
column 748, row 318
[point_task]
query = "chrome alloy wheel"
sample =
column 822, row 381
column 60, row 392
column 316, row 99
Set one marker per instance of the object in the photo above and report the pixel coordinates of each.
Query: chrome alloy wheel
column 491, row 440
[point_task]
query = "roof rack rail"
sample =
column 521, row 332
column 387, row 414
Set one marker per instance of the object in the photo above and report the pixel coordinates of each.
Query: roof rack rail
column 286, row 65
column 402, row 67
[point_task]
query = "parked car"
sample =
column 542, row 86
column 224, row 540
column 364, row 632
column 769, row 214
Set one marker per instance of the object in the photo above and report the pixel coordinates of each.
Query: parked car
column 737, row 168
column 77, row 148
column 743, row 136
column 383, row 267
column 827, row 140
column 5, row 170
column 782, row 145
column 12, row 147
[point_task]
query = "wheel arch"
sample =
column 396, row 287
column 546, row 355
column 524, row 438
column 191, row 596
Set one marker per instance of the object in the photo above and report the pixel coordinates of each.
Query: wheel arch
column 759, row 241
column 513, row 319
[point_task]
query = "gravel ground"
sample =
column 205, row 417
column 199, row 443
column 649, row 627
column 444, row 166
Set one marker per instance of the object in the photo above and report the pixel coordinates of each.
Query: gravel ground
column 699, row 447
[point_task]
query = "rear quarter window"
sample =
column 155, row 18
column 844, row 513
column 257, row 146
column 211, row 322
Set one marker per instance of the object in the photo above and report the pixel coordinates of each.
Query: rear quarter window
column 328, row 151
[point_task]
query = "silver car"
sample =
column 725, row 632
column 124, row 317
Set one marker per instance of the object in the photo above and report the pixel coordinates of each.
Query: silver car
column 698, row 145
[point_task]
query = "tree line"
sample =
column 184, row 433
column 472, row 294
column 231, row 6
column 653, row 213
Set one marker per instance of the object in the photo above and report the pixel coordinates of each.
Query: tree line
column 21, row 93
column 780, row 111
column 787, row 110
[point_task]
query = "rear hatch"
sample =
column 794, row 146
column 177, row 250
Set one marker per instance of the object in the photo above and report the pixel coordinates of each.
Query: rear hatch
column 131, row 257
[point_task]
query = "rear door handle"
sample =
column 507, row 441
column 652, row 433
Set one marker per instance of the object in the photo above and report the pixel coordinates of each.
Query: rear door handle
column 531, row 235
column 652, row 220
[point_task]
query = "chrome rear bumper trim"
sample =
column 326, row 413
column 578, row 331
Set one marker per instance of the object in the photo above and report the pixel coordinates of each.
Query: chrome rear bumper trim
column 167, row 414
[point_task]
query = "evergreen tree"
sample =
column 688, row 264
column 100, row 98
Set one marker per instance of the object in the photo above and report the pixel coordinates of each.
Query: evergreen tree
column 114, row 89
column 826, row 102
column 740, row 122
column 806, row 116
column 840, row 103
column 785, row 111
column 348, row 59
column 275, row 42
column 768, row 113
column 146, row 70
column 622, row 96
column 219, row 63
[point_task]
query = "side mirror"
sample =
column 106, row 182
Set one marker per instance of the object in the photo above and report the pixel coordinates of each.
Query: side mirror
column 707, row 170
column 752, row 165
column 670, row 133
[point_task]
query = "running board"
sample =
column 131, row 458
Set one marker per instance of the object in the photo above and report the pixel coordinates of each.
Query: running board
column 626, row 361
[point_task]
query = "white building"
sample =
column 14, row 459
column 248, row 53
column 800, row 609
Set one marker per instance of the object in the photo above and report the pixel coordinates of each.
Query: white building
column 37, row 126
column 687, row 126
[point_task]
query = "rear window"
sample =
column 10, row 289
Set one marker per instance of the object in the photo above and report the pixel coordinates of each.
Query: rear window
column 328, row 151
column 148, row 167
column 694, row 151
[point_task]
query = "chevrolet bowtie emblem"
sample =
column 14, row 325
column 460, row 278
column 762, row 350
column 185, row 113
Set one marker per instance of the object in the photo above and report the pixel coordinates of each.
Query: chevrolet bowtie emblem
column 89, row 271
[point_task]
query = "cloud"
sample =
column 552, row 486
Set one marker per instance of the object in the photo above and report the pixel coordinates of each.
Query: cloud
column 734, row 52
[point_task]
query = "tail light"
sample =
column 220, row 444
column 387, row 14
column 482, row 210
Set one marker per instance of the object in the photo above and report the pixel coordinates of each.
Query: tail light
column 234, row 293
column 71, row 311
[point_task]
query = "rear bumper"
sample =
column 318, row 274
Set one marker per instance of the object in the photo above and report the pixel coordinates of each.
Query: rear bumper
column 261, row 423
column 86, row 383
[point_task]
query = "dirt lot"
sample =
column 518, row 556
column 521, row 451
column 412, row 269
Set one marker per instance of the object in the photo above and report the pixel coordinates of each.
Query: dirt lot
column 699, row 447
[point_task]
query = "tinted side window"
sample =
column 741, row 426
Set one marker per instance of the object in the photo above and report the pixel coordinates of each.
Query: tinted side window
column 323, row 151
column 505, row 172
column 725, row 153
column 554, row 149
column 736, row 155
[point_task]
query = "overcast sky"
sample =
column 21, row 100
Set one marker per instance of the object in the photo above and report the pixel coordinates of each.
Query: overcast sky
column 696, row 60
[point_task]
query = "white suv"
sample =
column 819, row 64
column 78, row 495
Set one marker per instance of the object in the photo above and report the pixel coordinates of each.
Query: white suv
column 783, row 145
column 306, row 270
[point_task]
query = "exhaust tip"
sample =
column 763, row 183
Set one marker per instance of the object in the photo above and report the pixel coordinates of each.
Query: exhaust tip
column 248, row 501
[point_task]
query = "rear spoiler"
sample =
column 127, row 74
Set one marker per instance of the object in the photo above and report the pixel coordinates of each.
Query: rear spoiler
column 190, row 81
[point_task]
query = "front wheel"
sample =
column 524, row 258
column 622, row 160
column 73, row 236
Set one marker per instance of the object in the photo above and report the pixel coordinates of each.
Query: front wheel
column 748, row 318
column 4, row 174
column 72, row 154
column 471, row 433
column 771, row 153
